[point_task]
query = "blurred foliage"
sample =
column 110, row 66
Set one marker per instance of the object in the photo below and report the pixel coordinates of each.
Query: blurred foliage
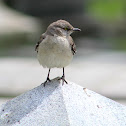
column 120, row 43
column 15, row 39
column 107, row 22
column 107, row 9
column 111, row 14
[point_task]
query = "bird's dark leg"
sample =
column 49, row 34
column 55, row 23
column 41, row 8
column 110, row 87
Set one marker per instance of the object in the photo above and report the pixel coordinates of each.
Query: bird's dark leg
column 47, row 80
column 63, row 78
column 48, row 76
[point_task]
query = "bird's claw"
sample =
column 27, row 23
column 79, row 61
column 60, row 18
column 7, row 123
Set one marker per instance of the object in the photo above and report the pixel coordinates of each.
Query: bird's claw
column 47, row 80
column 63, row 80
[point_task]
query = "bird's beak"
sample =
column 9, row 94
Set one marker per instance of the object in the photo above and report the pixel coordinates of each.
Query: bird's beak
column 76, row 29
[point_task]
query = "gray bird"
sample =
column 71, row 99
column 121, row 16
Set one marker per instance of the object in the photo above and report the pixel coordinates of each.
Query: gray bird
column 56, row 47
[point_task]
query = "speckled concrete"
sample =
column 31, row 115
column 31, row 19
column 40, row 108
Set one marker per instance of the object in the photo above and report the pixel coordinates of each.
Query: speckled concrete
column 57, row 105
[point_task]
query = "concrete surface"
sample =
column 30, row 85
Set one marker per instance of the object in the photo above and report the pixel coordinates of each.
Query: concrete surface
column 4, row 100
column 57, row 105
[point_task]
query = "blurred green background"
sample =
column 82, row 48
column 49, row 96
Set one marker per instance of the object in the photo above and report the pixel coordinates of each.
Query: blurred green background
column 100, row 62
column 112, row 15
column 98, row 19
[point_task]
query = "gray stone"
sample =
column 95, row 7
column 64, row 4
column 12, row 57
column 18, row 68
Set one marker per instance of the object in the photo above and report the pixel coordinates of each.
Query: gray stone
column 62, row 105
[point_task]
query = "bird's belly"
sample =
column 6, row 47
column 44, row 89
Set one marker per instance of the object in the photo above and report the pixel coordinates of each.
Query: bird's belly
column 56, row 54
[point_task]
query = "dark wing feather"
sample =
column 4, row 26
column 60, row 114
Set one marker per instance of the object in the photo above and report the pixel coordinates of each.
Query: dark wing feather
column 40, row 40
column 72, row 44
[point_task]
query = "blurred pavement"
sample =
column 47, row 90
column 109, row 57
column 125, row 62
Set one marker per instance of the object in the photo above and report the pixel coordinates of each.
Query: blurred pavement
column 12, row 21
column 101, row 71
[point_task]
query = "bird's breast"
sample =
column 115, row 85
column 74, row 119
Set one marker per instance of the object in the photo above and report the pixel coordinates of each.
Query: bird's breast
column 55, row 45
column 55, row 52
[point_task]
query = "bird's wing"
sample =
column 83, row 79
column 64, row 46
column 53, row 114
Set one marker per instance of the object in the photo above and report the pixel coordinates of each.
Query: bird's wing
column 72, row 44
column 40, row 40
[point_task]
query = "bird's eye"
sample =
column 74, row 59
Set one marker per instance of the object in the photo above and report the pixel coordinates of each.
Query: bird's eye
column 66, row 29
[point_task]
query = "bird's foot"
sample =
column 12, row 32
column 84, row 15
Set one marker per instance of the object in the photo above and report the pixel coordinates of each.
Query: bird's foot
column 47, row 80
column 63, row 80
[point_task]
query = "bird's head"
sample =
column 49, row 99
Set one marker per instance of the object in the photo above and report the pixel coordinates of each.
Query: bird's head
column 61, row 28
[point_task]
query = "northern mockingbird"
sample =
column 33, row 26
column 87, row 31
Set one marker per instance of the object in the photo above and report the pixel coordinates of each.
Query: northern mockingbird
column 56, row 47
